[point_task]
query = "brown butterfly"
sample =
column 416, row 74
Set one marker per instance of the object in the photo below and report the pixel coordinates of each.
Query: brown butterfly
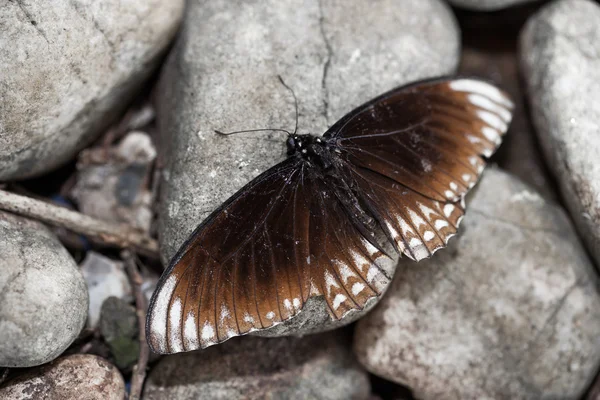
column 401, row 163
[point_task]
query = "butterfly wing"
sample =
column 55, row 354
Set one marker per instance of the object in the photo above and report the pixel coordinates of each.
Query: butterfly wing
column 255, row 261
column 415, row 151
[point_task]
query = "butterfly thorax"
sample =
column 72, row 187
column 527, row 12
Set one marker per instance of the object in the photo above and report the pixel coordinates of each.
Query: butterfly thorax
column 310, row 148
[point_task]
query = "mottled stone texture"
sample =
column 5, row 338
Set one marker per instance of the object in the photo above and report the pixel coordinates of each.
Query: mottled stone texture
column 222, row 75
column 314, row 367
column 511, row 310
column 76, row 377
column 43, row 297
column 68, row 70
column 560, row 58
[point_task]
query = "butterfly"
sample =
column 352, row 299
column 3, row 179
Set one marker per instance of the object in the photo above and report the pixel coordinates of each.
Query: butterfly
column 400, row 164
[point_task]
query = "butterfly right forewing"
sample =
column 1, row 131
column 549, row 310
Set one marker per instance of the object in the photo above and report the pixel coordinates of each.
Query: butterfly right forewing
column 415, row 152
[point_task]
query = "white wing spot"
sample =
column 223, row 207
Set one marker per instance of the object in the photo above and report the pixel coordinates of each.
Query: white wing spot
column 224, row 312
column 491, row 134
column 449, row 194
column 357, row 288
column 404, row 226
column 345, row 272
column 191, row 332
column 426, row 211
column 428, row 235
column 416, row 219
column 308, row 260
column 329, row 282
column 487, row 104
column 453, row 186
column 175, row 323
column 393, row 231
column 372, row 250
column 287, row 304
column 466, row 177
column 473, row 139
column 339, row 299
column 358, row 258
column 158, row 321
column 492, row 120
column 372, row 273
column 414, row 242
column 297, row 303
column 208, row 332
column 448, row 209
column 231, row 333
column 473, row 160
column 270, row 315
column 248, row 318
column 440, row 223
column 482, row 88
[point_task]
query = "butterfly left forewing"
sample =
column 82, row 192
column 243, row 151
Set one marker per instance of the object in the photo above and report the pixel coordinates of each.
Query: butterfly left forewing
column 254, row 263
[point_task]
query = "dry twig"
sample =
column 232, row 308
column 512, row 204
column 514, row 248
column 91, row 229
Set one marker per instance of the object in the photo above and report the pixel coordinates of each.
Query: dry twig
column 139, row 370
column 117, row 235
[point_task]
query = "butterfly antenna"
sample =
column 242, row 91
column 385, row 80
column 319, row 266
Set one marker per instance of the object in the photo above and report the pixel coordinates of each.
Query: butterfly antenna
column 252, row 130
column 270, row 129
column 295, row 101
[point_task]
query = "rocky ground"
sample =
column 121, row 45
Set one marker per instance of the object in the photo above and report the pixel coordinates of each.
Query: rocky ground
column 107, row 112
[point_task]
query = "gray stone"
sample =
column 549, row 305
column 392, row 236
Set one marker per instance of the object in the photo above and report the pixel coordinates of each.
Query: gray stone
column 222, row 75
column 69, row 70
column 104, row 278
column 488, row 5
column 511, row 310
column 560, row 58
column 76, row 377
column 314, row 367
column 43, row 297
column 520, row 153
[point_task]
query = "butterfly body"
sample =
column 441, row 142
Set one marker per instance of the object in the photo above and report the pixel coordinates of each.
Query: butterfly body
column 398, row 166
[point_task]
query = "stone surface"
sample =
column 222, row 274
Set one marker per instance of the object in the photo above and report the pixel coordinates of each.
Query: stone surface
column 511, row 310
column 104, row 278
column 560, row 58
column 43, row 297
column 313, row 367
column 113, row 184
column 488, row 5
column 68, row 71
column 76, row 377
column 119, row 328
column 520, row 153
column 222, row 75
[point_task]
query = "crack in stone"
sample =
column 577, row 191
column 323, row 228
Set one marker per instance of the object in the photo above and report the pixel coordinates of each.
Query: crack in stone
column 559, row 305
column 32, row 20
column 326, row 64
column 89, row 16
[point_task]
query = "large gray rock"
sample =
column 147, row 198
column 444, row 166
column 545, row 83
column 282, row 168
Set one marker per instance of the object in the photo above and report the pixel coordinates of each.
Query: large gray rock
column 67, row 70
column 76, row 377
column 314, row 367
column 488, row 5
column 222, row 75
column 560, row 57
column 511, row 310
column 43, row 297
